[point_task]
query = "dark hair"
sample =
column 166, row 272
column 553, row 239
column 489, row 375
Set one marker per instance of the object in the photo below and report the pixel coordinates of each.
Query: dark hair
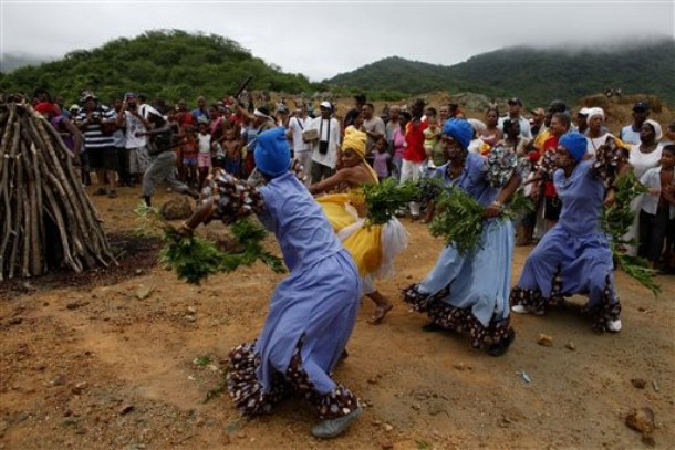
column 492, row 108
column 370, row 105
column 671, row 127
column 669, row 148
column 564, row 118
column 432, row 110
column 507, row 124
column 405, row 114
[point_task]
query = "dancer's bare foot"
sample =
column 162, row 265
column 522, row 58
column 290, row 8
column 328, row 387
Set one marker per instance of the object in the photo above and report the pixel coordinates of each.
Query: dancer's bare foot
column 380, row 312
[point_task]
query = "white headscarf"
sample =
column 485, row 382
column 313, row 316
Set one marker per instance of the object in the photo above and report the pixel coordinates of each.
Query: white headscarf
column 658, row 131
column 594, row 112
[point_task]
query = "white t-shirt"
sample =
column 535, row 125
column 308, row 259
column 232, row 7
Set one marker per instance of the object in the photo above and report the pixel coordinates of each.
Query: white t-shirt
column 135, row 125
column 204, row 143
column 296, row 126
column 592, row 144
column 642, row 162
column 322, row 125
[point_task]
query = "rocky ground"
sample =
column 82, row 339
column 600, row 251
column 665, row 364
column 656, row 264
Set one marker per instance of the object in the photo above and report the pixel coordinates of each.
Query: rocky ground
column 131, row 358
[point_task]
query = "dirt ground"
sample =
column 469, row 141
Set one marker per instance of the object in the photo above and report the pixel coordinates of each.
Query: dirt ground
column 126, row 359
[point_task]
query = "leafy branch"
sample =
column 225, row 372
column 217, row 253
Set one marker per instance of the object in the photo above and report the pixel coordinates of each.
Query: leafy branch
column 194, row 258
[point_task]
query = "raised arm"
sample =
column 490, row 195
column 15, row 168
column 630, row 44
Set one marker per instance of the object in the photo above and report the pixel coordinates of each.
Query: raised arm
column 329, row 183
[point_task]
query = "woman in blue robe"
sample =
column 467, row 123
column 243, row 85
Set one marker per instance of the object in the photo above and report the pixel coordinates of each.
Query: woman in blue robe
column 469, row 293
column 574, row 256
column 311, row 313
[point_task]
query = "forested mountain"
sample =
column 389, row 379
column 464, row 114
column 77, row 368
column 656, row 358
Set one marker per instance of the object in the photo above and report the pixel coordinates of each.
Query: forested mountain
column 176, row 64
column 172, row 64
column 536, row 75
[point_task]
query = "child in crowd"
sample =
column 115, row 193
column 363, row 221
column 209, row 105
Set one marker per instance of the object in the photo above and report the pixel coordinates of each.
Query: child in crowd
column 232, row 144
column 431, row 135
column 382, row 159
column 204, row 154
column 190, row 156
column 658, row 206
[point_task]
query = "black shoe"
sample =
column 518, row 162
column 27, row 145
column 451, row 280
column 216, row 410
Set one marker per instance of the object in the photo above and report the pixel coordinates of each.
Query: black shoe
column 503, row 346
column 432, row 328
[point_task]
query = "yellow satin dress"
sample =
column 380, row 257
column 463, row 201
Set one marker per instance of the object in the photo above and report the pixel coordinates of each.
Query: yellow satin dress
column 363, row 242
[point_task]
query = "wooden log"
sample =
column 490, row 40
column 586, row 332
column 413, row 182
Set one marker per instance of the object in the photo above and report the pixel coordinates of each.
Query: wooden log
column 5, row 154
column 17, row 188
column 36, row 240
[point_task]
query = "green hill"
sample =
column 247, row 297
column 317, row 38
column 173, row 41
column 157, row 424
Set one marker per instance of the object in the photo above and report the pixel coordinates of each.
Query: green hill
column 536, row 75
column 171, row 64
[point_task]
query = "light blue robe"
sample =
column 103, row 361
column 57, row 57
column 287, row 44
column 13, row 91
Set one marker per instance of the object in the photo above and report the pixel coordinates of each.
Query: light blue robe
column 319, row 301
column 576, row 243
column 481, row 278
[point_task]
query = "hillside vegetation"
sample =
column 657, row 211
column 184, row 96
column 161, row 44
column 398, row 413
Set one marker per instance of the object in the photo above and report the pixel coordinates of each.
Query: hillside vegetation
column 536, row 75
column 171, row 64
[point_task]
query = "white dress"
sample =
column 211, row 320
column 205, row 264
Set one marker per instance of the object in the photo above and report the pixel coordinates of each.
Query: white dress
column 641, row 162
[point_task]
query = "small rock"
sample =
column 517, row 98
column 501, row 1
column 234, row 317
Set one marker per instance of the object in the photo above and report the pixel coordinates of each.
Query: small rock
column 16, row 320
column 72, row 306
column 371, row 381
column 177, row 209
column 638, row 383
column 67, row 412
column 415, row 406
column 545, row 340
column 376, row 423
column 59, row 380
column 190, row 318
column 79, row 388
column 641, row 420
column 388, row 427
column 388, row 445
column 4, row 425
column 126, row 409
column 241, row 435
column 143, row 292
column 641, row 309
column 460, row 366
column 368, row 403
column 191, row 310
column 409, row 277
column 140, row 271
column 570, row 345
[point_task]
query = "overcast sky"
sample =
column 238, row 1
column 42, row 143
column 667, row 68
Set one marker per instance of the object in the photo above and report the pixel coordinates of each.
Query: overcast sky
column 321, row 39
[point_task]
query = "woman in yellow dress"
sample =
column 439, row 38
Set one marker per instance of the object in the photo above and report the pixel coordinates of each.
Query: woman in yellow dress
column 373, row 246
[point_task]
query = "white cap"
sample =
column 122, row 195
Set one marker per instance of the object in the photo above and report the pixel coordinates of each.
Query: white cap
column 326, row 105
column 584, row 111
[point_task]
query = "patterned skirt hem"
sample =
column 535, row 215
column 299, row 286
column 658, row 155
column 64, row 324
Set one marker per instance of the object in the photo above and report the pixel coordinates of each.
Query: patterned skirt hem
column 250, row 398
column 459, row 320
column 607, row 310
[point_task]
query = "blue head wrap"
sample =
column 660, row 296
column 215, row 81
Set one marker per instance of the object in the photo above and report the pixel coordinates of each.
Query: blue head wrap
column 272, row 154
column 460, row 129
column 575, row 144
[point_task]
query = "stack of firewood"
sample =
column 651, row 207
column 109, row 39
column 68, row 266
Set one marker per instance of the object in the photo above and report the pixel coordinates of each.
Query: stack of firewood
column 47, row 221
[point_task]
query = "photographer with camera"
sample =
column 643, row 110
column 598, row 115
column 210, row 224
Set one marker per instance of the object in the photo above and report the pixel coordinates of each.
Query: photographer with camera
column 324, row 134
column 98, row 125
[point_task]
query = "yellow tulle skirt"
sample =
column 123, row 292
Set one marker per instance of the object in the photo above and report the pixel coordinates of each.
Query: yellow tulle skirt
column 372, row 247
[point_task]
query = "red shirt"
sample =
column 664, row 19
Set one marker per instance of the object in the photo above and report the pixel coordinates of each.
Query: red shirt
column 549, row 146
column 414, row 139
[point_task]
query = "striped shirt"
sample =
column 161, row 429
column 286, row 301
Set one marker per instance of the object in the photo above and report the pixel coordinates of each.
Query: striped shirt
column 93, row 136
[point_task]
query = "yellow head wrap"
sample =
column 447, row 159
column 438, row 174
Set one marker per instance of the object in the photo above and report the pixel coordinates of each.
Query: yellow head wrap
column 356, row 140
